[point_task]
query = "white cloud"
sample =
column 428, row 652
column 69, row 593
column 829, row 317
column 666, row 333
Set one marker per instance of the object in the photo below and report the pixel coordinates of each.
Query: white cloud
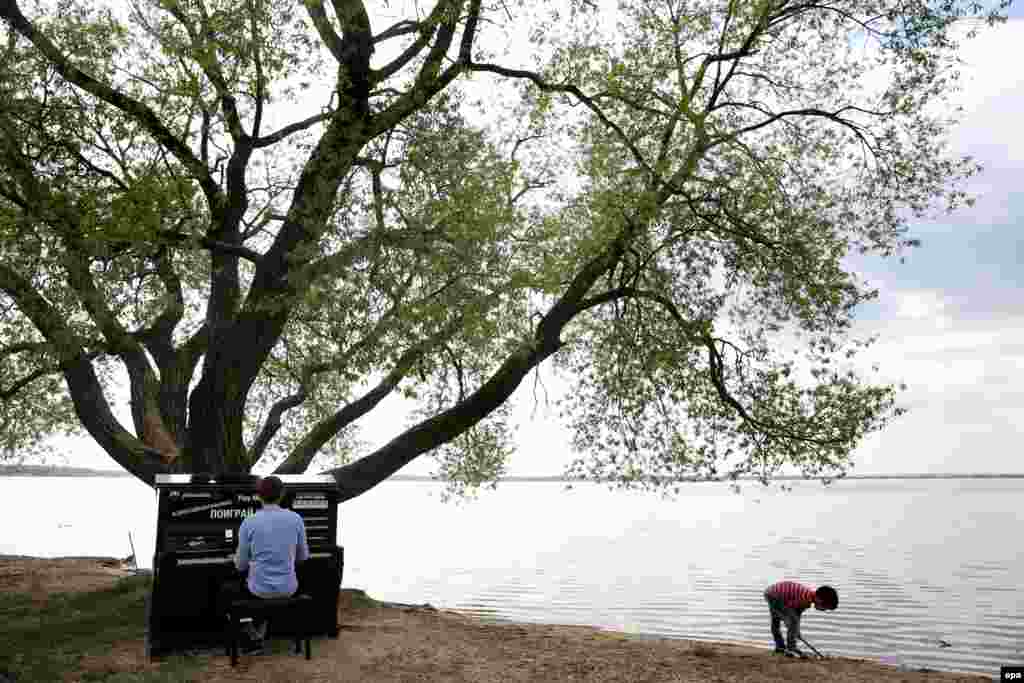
column 988, row 78
column 923, row 305
column 965, row 392
column 958, row 343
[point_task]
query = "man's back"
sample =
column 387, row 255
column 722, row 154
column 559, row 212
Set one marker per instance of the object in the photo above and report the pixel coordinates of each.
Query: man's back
column 269, row 544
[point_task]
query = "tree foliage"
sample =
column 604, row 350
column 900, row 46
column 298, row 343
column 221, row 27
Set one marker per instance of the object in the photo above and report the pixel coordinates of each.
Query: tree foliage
column 265, row 217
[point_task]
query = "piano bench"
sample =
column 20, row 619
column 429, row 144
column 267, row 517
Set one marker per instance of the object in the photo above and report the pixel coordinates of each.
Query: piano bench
column 294, row 609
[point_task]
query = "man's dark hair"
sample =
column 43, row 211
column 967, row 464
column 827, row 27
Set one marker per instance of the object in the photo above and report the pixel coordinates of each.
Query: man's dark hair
column 270, row 489
column 828, row 596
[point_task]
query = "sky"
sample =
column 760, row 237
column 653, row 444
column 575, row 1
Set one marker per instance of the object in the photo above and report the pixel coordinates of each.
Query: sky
column 950, row 319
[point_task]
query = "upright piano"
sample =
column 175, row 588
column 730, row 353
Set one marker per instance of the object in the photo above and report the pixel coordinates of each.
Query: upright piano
column 196, row 539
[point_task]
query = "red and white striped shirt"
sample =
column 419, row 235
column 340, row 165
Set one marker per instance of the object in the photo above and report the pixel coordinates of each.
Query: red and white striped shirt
column 793, row 595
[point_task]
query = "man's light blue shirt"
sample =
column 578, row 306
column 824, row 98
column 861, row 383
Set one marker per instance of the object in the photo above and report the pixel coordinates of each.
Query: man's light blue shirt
column 269, row 544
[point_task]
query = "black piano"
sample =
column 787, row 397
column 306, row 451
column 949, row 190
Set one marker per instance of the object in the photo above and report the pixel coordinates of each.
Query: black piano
column 196, row 539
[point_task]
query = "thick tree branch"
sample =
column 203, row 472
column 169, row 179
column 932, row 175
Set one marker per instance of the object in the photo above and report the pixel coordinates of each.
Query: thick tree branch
column 12, row 391
column 431, row 80
column 74, row 259
column 291, row 129
column 259, row 322
column 412, row 239
column 325, row 430
column 206, row 57
column 261, row 85
column 23, row 347
column 196, row 345
column 143, row 384
column 139, row 112
column 230, row 249
column 91, row 405
column 362, row 475
column 158, row 337
column 426, row 29
column 330, row 37
column 273, row 423
column 214, row 245
column 402, row 28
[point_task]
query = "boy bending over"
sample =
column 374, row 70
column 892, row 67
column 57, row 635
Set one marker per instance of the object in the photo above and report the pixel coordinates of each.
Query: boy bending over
column 787, row 601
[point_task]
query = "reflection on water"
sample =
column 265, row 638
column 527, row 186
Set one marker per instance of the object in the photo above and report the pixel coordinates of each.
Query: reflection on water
column 914, row 562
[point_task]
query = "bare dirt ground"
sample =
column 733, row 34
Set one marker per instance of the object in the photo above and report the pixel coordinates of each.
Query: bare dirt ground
column 394, row 644
column 40, row 577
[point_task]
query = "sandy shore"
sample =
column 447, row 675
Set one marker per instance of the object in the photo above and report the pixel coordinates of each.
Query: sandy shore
column 397, row 644
column 39, row 577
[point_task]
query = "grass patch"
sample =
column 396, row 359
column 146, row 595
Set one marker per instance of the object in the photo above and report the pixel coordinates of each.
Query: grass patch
column 45, row 640
column 361, row 600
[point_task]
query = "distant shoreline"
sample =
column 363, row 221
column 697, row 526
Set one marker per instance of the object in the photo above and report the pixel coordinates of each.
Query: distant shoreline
column 54, row 471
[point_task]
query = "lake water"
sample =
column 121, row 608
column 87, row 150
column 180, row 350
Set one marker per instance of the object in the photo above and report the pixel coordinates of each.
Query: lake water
column 913, row 561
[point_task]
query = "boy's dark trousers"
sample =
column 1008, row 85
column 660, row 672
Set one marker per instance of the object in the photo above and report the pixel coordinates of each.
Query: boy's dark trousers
column 791, row 616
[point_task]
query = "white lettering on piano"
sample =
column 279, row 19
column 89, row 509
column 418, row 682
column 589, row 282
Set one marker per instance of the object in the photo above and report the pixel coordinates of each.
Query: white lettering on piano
column 199, row 508
column 235, row 513
column 205, row 560
column 310, row 502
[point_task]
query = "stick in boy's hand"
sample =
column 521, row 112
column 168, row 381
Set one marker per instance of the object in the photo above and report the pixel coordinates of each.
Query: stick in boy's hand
column 813, row 649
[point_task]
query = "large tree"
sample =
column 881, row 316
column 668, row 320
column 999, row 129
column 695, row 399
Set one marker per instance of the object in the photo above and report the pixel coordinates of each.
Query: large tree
column 264, row 217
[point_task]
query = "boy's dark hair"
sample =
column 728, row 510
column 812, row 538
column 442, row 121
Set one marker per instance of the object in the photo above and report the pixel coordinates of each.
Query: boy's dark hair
column 828, row 596
column 270, row 489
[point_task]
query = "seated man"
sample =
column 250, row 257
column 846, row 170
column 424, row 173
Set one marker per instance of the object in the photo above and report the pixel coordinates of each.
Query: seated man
column 269, row 544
